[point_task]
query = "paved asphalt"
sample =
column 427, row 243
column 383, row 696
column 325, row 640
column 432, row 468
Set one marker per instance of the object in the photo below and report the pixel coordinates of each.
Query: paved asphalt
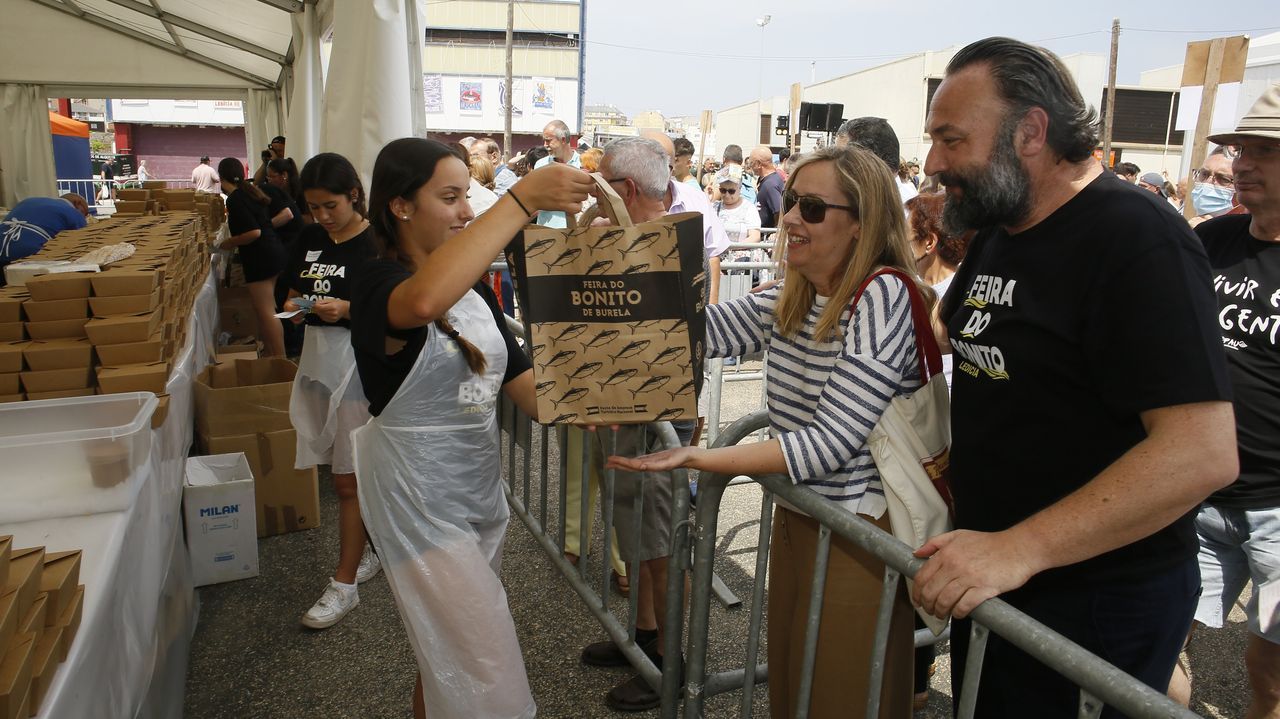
column 250, row 657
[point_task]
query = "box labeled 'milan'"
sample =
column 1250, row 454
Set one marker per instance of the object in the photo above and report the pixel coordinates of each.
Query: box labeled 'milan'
column 616, row 319
column 221, row 519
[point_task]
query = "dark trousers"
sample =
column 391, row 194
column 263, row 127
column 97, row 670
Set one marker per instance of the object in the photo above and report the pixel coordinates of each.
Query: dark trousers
column 1138, row 626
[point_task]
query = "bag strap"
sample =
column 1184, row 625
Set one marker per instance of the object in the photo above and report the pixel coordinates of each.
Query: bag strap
column 928, row 355
column 609, row 205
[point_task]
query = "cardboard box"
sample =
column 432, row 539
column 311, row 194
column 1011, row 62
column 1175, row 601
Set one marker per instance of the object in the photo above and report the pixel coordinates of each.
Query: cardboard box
column 60, row 286
column 125, row 281
column 69, row 621
column 150, row 377
column 6, row 550
column 62, row 393
column 44, row 355
column 236, row 310
column 7, row 398
column 25, row 568
column 133, row 352
column 136, row 207
column 11, row 356
column 231, row 353
column 9, row 618
column 124, row 304
column 11, row 309
column 53, row 380
column 44, row 666
column 12, row 332
column 59, row 580
column 49, row 310
column 10, row 383
column 154, row 185
column 126, row 328
column 132, row 195
column 162, row 411
column 247, row 395
column 15, row 676
column 287, row 499
column 57, row 329
column 218, row 507
column 33, row 621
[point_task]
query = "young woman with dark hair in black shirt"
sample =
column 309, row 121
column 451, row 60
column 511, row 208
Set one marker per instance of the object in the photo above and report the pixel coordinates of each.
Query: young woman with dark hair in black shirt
column 433, row 352
column 328, row 402
column 260, row 250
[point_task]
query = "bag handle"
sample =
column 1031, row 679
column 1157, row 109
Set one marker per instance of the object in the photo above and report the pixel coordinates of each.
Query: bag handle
column 609, row 205
column 928, row 355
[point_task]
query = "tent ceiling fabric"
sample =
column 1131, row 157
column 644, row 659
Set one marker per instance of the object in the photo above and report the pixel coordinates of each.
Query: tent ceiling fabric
column 246, row 38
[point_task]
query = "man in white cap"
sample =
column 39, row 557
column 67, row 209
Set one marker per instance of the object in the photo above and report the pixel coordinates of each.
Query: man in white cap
column 1239, row 525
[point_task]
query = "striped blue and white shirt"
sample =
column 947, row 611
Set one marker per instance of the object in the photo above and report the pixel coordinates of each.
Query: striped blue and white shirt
column 825, row 397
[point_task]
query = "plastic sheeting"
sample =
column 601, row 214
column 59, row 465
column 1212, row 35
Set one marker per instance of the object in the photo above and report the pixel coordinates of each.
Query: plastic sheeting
column 129, row 658
column 26, row 145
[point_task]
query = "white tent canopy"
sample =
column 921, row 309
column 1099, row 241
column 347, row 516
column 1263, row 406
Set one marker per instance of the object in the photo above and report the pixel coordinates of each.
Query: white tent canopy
column 263, row 52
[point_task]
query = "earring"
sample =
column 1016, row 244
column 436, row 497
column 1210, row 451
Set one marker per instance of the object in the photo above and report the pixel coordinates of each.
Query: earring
column 404, row 218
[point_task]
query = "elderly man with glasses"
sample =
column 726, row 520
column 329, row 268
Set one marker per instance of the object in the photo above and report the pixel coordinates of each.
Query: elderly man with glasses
column 1214, row 190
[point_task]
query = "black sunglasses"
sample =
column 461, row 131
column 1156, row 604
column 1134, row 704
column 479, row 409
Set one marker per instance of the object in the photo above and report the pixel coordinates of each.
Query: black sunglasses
column 812, row 209
column 728, row 190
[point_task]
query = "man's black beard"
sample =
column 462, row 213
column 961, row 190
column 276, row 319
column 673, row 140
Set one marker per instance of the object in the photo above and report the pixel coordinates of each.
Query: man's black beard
column 998, row 194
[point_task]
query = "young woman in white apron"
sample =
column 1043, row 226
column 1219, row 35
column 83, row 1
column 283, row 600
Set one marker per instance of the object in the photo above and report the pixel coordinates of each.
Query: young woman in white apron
column 432, row 353
column 327, row 402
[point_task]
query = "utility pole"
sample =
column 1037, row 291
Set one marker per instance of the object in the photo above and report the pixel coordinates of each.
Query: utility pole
column 506, row 110
column 1111, row 94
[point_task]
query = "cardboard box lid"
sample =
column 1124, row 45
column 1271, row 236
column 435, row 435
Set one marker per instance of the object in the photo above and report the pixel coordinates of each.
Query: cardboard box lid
column 150, row 377
column 125, row 328
column 124, row 304
column 57, row 379
column 11, row 356
column 60, row 286
column 47, row 310
column 115, row 282
column 58, row 354
column 57, row 329
column 15, row 674
column 60, row 578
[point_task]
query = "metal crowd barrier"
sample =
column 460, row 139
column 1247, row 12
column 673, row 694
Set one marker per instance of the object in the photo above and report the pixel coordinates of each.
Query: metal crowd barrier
column 90, row 188
column 1100, row 682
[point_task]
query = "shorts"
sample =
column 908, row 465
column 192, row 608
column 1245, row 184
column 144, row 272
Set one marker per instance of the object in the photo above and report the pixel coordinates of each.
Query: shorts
column 263, row 258
column 1237, row 545
column 654, row 540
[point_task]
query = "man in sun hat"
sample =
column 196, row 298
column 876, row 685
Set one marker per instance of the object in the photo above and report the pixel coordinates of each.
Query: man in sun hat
column 1239, row 525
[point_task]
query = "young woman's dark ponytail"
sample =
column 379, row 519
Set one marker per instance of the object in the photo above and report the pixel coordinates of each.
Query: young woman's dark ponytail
column 231, row 170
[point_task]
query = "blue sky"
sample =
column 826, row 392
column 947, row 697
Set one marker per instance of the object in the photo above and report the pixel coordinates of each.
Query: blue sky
column 683, row 57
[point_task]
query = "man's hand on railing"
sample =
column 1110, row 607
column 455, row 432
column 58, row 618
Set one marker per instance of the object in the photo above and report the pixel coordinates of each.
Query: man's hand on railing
column 966, row 568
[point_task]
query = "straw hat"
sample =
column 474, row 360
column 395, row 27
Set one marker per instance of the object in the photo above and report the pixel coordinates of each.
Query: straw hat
column 1262, row 120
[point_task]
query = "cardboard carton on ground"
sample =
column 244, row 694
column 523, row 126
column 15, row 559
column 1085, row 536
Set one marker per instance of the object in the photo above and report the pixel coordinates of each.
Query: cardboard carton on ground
column 287, row 499
column 48, row 310
column 151, row 377
column 62, row 393
column 12, row 332
column 57, row 329
column 124, row 304
column 44, row 665
column 126, row 328
column 219, row 510
column 124, row 281
column 237, row 313
column 43, row 355
column 60, row 286
column 69, row 621
column 244, row 396
column 59, row 580
column 55, row 380
column 11, row 356
column 15, row 676
column 25, row 568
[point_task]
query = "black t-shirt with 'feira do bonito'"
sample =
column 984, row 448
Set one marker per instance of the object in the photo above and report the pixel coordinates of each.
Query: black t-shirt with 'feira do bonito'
column 1246, row 278
column 1062, row 335
column 323, row 269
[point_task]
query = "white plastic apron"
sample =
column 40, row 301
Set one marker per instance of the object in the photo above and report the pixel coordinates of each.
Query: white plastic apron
column 431, row 497
column 326, row 378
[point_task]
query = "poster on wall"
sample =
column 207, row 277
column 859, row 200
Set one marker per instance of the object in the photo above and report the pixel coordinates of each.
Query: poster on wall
column 517, row 96
column 544, row 96
column 433, row 93
column 471, row 98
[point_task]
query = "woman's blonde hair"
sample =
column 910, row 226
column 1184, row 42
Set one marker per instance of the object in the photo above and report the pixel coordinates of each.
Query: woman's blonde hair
column 591, row 159
column 482, row 171
column 867, row 186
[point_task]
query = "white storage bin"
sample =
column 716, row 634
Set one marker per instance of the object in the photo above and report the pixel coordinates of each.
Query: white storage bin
column 73, row 456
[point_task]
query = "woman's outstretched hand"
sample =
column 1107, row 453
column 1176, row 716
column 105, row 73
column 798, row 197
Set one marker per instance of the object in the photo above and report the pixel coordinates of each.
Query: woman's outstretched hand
column 663, row 461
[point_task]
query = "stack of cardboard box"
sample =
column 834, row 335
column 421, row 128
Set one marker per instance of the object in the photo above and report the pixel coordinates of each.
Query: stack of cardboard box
column 41, row 601
column 111, row 331
column 243, row 406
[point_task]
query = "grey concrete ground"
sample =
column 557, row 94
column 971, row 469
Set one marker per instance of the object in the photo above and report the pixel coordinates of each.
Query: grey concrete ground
column 250, row 658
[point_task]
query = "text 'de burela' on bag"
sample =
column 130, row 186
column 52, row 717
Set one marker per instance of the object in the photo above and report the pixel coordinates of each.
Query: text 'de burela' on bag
column 615, row 315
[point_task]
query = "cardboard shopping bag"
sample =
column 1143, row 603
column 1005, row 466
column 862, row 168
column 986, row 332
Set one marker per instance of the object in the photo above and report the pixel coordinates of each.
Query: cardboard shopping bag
column 615, row 315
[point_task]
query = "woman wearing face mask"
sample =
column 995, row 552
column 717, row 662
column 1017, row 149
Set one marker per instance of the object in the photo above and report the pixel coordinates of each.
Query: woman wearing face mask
column 260, row 250
column 1214, row 189
column 327, row 401
column 432, row 351
column 835, row 364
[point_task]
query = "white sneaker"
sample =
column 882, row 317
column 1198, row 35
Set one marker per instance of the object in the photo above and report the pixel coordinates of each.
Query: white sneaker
column 369, row 567
column 332, row 606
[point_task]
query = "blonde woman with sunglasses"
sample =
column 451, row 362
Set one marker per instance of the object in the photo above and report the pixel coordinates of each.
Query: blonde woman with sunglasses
column 835, row 363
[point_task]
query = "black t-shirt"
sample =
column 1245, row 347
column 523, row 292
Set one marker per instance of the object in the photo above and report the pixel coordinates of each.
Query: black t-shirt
column 245, row 214
column 769, row 197
column 382, row 374
column 321, row 269
column 281, row 200
column 1246, row 276
column 1062, row 335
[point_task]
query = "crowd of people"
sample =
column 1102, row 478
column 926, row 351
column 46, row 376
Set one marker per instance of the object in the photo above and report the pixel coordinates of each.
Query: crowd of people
column 1113, row 368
